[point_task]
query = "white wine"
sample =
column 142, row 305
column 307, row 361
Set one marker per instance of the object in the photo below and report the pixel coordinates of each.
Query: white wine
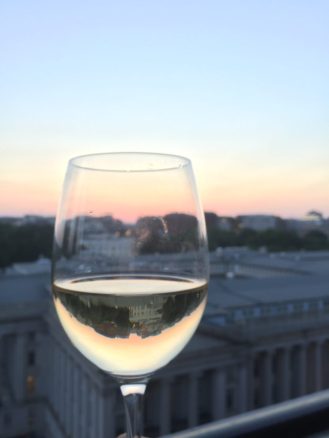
column 130, row 325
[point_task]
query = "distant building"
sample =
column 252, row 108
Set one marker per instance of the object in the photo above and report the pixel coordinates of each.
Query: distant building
column 42, row 265
column 261, row 341
column 312, row 221
column 27, row 220
column 33, row 220
column 224, row 223
column 258, row 222
column 109, row 246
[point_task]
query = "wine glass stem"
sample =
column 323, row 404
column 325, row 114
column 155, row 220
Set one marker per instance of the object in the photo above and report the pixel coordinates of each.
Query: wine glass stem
column 133, row 401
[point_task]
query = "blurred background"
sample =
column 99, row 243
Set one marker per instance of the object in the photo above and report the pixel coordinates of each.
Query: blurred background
column 239, row 87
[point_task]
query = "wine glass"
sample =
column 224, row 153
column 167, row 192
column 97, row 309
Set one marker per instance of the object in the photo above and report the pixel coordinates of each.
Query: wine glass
column 130, row 265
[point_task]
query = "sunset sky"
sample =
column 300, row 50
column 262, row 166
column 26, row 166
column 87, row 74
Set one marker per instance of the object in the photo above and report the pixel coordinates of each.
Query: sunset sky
column 240, row 87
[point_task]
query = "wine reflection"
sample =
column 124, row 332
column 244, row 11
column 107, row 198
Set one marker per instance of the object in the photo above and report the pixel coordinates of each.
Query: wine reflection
column 120, row 316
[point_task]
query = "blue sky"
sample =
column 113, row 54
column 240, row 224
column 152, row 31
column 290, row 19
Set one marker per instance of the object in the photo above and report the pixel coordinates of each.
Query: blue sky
column 240, row 87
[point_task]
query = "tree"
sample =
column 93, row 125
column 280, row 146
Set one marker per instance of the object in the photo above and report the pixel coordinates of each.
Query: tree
column 25, row 243
column 6, row 247
column 315, row 240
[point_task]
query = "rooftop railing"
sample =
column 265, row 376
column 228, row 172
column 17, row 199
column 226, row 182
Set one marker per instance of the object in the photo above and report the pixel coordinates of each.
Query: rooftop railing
column 301, row 417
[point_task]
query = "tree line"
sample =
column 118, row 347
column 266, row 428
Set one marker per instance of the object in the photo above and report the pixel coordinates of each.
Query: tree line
column 28, row 242
column 274, row 239
column 24, row 243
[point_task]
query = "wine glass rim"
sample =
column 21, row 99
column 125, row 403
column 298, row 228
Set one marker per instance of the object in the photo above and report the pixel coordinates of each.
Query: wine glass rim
column 156, row 162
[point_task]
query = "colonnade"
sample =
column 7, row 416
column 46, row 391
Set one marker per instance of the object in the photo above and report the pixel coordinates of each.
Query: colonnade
column 253, row 378
column 82, row 407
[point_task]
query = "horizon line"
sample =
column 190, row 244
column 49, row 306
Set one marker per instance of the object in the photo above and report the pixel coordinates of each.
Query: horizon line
column 9, row 216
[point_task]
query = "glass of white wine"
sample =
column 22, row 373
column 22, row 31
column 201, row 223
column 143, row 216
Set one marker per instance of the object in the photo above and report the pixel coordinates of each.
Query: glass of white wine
column 130, row 265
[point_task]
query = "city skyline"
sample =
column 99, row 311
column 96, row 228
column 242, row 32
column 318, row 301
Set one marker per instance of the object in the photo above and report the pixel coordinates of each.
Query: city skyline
column 308, row 215
column 240, row 88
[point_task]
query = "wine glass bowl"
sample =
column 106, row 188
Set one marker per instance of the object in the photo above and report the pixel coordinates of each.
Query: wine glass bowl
column 130, row 264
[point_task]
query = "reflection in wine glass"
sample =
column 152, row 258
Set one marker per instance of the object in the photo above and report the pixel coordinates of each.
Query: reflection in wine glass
column 130, row 266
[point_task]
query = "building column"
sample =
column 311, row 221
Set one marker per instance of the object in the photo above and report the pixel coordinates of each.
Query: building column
column 266, row 380
column 54, row 386
column 88, row 395
column 302, row 369
column 193, row 399
column 76, row 401
column 93, row 411
column 1, row 364
column 250, row 384
column 318, row 366
column 52, row 367
column 20, row 367
column 66, row 392
column 57, row 379
column 218, row 405
column 165, row 414
column 106, row 414
column 284, row 374
column 70, row 389
column 241, row 389
column 84, row 411
column 325, row 361
column 61, row 369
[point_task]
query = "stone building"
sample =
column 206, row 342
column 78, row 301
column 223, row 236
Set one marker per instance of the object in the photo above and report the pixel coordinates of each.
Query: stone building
column 261, row 341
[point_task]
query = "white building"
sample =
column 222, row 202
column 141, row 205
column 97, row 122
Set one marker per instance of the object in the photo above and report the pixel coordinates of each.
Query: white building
column 109, row 246
column 261, row 341
column 258, row 222
column 312, row 221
